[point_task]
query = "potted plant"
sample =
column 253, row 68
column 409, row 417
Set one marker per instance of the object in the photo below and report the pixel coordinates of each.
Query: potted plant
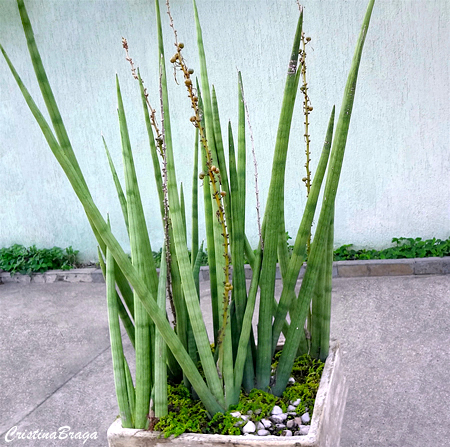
column 137, row 296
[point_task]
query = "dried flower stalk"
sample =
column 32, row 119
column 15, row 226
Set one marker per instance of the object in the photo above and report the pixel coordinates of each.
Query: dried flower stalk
column 136, row 75
column 307, row 109
column 166, row 205
column 255, row 164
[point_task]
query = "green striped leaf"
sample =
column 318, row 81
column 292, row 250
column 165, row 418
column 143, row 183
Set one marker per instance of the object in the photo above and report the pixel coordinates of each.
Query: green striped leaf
column 116, row 345
column 304, row 230
column 271, row 223
column 123, row 313
column 120, row 193
column 319, row 242
column 161, row 408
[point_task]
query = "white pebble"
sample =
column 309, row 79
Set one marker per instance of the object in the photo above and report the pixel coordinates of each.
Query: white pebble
column 278, row 418
column 286, row 433
column 263, row 432
column 291, row 381
column 298, row 421
column 249, row 427
column 266, row 423
column 277, row 410
column 304, row 429
column 291, row 424
column 296, row 402
column 235, row 414
column 305, row 418
column 245, row 417
column 291, row 408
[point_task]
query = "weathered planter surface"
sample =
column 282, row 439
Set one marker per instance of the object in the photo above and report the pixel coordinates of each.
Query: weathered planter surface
column 325, row 428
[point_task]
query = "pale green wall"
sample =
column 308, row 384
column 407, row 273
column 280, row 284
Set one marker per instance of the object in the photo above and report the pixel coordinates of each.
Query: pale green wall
column 395, row 180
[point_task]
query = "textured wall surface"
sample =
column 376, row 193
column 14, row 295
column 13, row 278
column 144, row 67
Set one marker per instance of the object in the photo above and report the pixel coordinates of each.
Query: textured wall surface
column 395, row 180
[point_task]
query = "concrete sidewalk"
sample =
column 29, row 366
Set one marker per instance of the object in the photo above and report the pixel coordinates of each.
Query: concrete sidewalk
column 56, row 365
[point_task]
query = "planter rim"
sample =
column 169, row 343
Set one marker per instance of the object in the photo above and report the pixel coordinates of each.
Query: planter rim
column 116, row 431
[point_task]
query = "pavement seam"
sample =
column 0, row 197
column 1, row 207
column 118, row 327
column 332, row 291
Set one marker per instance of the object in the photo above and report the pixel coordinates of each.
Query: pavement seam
column 341, row 269
column 56, row 390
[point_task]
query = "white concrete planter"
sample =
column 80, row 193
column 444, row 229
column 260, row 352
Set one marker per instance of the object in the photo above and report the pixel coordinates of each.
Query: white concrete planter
column 325, row 428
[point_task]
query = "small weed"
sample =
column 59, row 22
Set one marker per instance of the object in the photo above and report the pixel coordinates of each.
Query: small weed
column 19, row 259
column 403, row 248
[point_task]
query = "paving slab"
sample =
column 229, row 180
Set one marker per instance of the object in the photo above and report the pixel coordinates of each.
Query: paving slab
column 394, row 333
column 56, row 370
column 50, row 332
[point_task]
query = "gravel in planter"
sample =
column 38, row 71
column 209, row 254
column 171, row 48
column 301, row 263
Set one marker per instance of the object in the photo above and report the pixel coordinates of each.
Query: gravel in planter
column 257, row 413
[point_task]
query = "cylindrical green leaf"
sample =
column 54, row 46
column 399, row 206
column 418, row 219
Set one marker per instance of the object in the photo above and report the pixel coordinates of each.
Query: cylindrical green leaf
column 116, row 344
column 326, row 305
column 107, row 238
column 120, row 194
column 194, row 212
column 123, row 314
column 304, row 230
column 160, row 346
column 319, row 243
column 179, row 241
column 272, row 216
column 142, row 258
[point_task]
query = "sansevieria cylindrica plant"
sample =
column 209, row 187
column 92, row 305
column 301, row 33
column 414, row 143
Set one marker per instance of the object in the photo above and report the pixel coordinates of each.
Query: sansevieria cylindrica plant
column 174, row 343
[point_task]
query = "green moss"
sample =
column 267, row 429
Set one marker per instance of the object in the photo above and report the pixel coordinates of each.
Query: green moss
column 224, row 424
column 258, row 400
column 187, row 415
column 307, row 372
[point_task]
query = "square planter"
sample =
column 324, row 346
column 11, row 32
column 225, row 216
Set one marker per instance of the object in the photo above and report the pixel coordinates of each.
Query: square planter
column 325, row 428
